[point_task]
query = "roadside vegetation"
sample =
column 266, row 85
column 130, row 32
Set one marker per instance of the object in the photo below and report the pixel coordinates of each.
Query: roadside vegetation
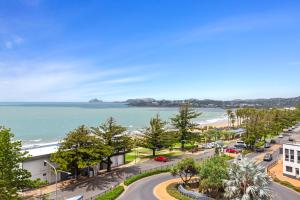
column 137, row 177
column 112, row 194
column 172, row 190
column 287, row 184
column 241, row 179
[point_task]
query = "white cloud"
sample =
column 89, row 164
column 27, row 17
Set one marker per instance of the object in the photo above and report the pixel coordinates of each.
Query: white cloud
column 13, row 41
column 63, row 81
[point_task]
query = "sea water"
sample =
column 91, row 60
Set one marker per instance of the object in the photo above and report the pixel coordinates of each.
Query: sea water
column 47, row 122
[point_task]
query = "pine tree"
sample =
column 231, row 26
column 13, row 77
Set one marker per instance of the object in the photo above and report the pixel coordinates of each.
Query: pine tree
column 80, row 149
column 12, row 177
column 183, row 122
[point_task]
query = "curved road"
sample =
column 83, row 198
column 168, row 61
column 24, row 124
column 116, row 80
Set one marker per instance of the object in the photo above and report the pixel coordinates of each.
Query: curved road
column 143, row 189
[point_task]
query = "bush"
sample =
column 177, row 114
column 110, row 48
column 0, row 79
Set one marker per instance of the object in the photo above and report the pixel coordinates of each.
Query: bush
column 113, row 194
column 259, row 144
column 287, row 184
column 172, row 190
column 134, row 178
column 246, row 151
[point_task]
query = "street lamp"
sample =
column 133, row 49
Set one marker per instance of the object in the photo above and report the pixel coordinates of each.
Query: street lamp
column 55, row 171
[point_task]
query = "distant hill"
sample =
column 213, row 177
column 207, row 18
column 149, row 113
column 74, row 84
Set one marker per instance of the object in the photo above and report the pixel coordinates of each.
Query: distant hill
column 95, row 101
column 208, row 103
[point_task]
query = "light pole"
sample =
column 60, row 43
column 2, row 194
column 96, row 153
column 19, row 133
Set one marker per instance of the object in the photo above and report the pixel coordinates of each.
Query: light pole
column 55, row 171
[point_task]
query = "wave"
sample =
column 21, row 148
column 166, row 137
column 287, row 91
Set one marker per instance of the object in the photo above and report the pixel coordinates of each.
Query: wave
column 210, row 121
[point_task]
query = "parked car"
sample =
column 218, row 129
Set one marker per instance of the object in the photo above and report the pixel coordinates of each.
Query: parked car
column 240, row 144
column 280, row 136
column 230, row 150
column 267, row 145
column 273, row 141
column 268, row 157
column 161, row 159
column 260, row 149
column 291, row 139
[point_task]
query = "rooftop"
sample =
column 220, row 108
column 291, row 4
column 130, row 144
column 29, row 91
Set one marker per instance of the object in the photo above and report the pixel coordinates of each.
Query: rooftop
column 41, row 149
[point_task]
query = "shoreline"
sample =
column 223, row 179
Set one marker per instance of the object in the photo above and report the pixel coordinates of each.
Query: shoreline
column 219, row 123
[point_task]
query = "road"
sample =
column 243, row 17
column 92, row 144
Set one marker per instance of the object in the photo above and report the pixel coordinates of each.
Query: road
column 99, row 184
column 143, row 189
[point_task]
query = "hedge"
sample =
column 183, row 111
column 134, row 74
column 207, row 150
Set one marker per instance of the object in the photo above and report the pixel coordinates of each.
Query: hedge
column 287, row 184
column 134, row 178
column 172, row 190
column 113, row 194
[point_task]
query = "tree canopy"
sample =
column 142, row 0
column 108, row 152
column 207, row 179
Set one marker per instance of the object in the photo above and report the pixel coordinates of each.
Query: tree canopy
column 12, row 177
column 113, row 136
column 80, row 149
column 183, row 122
column 187, row 168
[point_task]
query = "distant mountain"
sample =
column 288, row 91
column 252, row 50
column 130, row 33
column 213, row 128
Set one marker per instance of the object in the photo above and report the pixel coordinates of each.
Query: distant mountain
column 95, row 101
column 208, row 103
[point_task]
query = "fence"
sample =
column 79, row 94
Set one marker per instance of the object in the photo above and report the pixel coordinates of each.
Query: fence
column 192, row 194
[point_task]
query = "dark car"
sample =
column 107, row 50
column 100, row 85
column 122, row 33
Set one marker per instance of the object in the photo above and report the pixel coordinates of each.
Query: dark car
column 291, row 139
column 267, row 145
column 260, row 149
column 273, row 141
column 268, row 157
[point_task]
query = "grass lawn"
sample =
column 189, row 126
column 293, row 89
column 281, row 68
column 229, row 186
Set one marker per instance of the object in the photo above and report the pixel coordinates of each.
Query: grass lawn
column 147, row 153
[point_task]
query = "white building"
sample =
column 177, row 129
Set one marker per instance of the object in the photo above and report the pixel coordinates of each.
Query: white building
column 291, row 160
column 40, row 169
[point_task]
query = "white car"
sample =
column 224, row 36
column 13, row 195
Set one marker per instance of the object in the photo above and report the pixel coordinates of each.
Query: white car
column 280, row 136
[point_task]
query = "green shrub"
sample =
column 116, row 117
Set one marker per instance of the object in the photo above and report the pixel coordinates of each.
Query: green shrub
column 172, row 190
column 134, row 178
column 113, row 194
column 246, row 151
column 259, row 144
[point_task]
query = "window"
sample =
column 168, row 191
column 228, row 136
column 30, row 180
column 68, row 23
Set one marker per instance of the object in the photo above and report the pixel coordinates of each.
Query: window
column 298, row 155
column 44, row 174
column 292, row 155
column 289, row 169
column 286, row 153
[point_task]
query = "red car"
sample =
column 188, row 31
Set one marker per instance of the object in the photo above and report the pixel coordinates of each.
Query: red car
column 232, row 151
column 161, row 159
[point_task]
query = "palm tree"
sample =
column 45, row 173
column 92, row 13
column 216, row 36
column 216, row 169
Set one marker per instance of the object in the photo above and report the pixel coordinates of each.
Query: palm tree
column 247, row 181
column 232, row 119
column 228, row 116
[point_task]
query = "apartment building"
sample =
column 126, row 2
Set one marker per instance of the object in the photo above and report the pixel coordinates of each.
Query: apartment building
column 291, row 160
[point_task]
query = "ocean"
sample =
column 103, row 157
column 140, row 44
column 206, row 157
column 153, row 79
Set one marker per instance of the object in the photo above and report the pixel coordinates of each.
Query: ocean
column 36, row 123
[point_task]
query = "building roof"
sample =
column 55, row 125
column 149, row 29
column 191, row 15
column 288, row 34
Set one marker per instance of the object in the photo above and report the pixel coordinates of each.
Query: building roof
column 41, row 149
column 293, row 144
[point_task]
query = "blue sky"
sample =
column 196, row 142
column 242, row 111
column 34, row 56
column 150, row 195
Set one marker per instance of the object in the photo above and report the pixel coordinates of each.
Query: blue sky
column 113, row 50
